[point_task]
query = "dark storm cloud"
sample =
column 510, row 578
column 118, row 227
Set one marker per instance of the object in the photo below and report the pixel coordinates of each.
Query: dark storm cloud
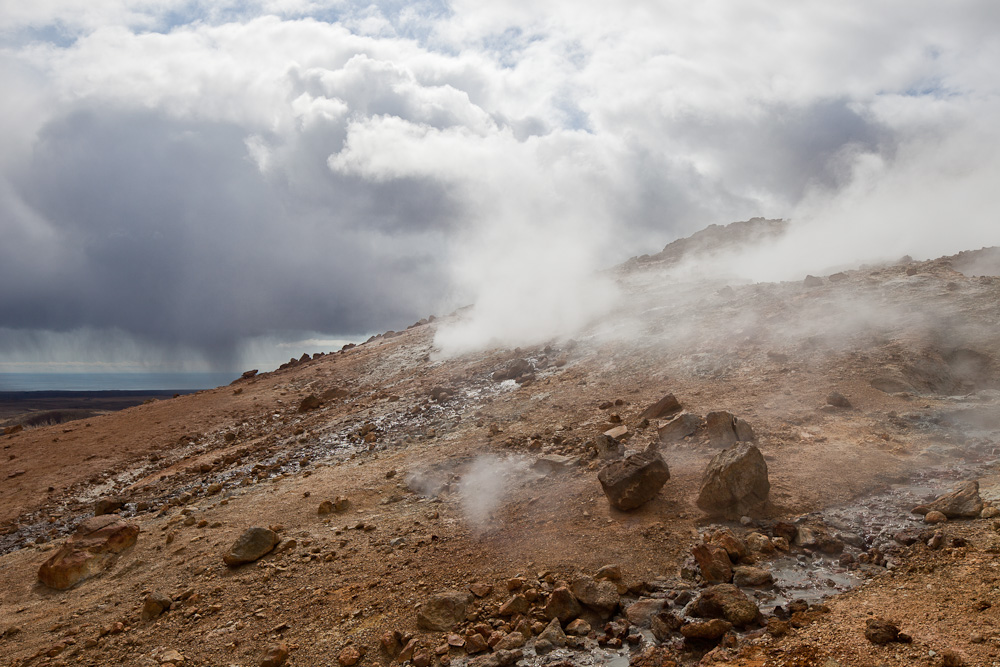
column 167, row 230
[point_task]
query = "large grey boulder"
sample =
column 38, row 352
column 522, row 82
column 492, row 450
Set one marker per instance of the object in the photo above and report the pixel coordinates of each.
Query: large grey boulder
column 735, row 481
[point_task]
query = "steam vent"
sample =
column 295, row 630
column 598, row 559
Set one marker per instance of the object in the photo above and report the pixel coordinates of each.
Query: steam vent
column 717, row 471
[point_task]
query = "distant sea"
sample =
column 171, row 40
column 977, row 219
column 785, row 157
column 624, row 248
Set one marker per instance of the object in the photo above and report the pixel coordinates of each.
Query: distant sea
column 113, row 381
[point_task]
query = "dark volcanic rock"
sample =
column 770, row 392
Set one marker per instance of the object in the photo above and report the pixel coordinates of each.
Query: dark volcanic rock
column 88, row 551
column 665, row 407
column 635, row 480
column 253, row 544
column 735, row 481
column 962, row 501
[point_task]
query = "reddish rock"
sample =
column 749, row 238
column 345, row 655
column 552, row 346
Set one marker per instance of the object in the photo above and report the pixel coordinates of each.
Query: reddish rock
column 562, row 605
column 711, row 629
column 961, row 502
column 252, row 544
column 275, row 656
column 714, row 563
column 88, row 551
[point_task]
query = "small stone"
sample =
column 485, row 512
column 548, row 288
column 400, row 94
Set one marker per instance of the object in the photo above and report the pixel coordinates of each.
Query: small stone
column 516, row 605
column 349, row 656
column 553, row 634
column 952, row 658
column 481, row 590
column 510, row 642
column 443, row 611
column 713, row 561
column 275, row 656
column 476, row 643
column 962, row 502
column 562, row 604
column 250, row 546
column 881, row 631
column 934, row 516
column 838, row 400
column 578, row 628
column 601, row 596
column 711, row 629
column 325, row 507
column 609, row 572
column 154, row 605
column 310, row 402
column 748, row 575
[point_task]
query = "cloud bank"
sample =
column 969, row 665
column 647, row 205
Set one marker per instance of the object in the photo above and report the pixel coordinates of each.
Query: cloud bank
column 192, row 176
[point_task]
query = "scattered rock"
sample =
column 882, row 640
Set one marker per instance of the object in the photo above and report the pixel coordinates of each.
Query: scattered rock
column 601, row 596
column 724, row 429
column 838, row 400
column 759, row 543
column 349, row 656
column 442, row 612
column 617, row 432
column 108, row 505
column 481, row 590
column 248, row 374
column 154, row 605
column 664, row 625
column 514, row 370
column 641, row 612
column 951, row 658
column 551, row 463
column 578, row 628
column 552, row 635
column 728, row 602
column 667, row 406
column 325, row 507
column 89, row 550
column 514, row 606
column 962, row 502
column 635, row 480
column 310, row 402
column 881, row 631
column 562, row 605
column 734, row 546
column 275, row 656
column 502, row 658
column 680, row 427
column 748, row 575
column 607, row 448
column 510, row 642
column 934, row 516
column 253, row 544
column 711, row 629
column 713, row 561
column 735, row 481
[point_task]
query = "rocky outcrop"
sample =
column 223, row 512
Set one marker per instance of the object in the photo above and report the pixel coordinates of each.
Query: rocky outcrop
column 90, row 550
column 962, row 501
column 634, row 481
column 735, row 481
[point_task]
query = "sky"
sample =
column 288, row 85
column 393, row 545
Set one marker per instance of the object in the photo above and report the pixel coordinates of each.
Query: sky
column 201, row 185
